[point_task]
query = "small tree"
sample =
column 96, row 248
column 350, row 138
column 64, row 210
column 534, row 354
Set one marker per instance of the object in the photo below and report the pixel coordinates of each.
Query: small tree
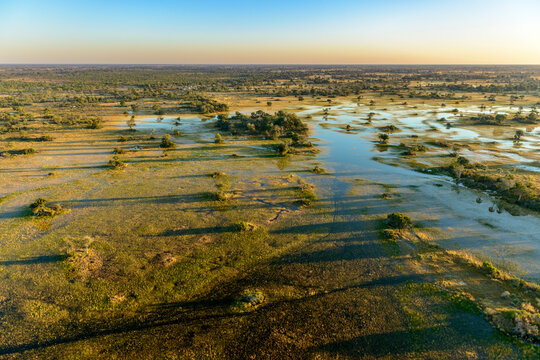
column 383, row 138
column 398, row 220
column 282, row 149
column 131, row 122
column 500, row 119
column 94, row 123
column 167, row 143
column 157, row 109
column 462, row 160
column 532, row 117
column 38, row 205
column 40, row 209
column 218, row 139
column 116, row 163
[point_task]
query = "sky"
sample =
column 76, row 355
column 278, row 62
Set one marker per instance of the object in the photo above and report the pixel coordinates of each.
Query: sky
column 270, row 32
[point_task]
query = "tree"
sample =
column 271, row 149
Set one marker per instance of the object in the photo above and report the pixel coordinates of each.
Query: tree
column 398, row 220
column 134, row 107
column 457, row 169
column 131, row 122
column 218, row 139
column 521, row 190
column 532, row 116
column 500, row 119
column 167, row 143
column 157, row 109
column 383, row 138
column 94, row 123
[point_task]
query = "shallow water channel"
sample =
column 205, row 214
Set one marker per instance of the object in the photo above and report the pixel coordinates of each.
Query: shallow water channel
column 510, row 241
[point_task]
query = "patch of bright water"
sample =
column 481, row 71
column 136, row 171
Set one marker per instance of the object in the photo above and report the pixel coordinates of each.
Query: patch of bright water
column 513, row 240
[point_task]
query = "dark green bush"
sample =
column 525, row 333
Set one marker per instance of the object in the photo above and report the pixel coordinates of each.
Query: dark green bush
column 116, row 163
column 167, row 143
column 94, row 123
column 398, row 220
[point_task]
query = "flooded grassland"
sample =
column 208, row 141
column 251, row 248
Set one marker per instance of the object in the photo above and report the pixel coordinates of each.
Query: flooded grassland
column 199, row 248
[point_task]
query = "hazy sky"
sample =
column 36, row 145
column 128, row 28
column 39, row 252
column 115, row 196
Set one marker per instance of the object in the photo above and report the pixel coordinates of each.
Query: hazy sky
column 278, row 31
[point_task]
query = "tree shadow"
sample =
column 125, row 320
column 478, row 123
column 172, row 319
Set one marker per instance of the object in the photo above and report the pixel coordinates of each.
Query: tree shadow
column 199, row 231
column 43, row 259
column 406, row 342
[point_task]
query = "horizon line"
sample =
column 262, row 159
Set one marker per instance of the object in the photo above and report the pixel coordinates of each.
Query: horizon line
column 269, row 64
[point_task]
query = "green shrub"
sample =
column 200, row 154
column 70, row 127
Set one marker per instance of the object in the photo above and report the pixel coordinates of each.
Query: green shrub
column 319, row 170
column 390, row 129
column 306, row 194
column 219, row 195
column 390, row 234
column 398, row 220
column 167, row 143
column 218, row 139
column 282, row 149
column 490, row 269
column 116, row 163
column 462, row 160
column 217, row 174
column 248, row 300
column 40, row 209
column 94, row 123
column 38, row 204
column 131, row 123
column 243, row 226
column 157, row 109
